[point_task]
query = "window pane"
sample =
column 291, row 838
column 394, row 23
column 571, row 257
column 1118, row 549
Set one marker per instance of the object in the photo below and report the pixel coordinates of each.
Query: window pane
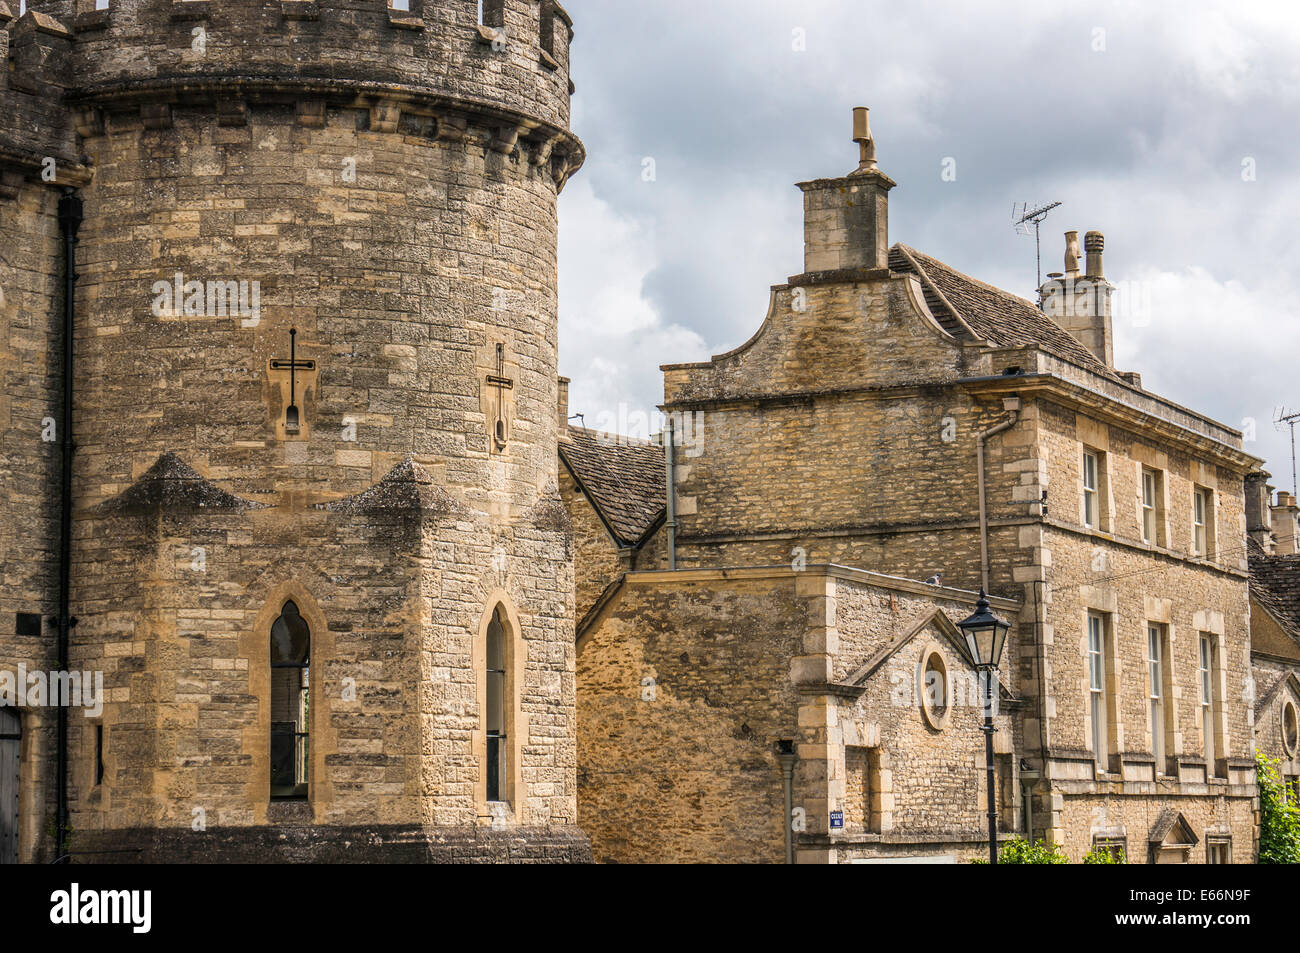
column 1158, row 735
column 1098, row 730
column 1153, row 657
column 494, row 747
column 496, row 643
column 1094, row 653
column 495, row 699
column 290, row 637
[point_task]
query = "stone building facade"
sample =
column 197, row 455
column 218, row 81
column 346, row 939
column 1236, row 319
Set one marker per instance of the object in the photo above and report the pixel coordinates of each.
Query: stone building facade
column 317, row 546
column 898, row 417
column 1275, row 625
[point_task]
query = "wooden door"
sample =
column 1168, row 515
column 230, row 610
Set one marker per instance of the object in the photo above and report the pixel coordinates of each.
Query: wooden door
column 10, row 748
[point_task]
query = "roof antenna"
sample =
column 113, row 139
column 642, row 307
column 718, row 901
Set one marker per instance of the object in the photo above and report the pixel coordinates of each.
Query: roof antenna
column 1289, row 418
column 1024, row 216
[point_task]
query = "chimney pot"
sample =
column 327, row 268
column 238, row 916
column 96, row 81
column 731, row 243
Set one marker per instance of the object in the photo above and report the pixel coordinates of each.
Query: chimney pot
column 1072, row 253
column 862, row 136
column 1093, row 243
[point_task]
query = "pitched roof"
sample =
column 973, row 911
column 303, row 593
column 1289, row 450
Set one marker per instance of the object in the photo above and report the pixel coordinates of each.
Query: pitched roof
column 1275, row 584
column 623, row 478
column 966, row 307
column 172, row 484
column 1169, row 822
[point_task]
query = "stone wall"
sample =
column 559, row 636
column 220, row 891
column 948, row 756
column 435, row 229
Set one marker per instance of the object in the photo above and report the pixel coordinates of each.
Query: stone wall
column 688, row 681
column 1277, row 689
column 388, row 192
column 683, row 691
column 31, row 400
column 597, row 561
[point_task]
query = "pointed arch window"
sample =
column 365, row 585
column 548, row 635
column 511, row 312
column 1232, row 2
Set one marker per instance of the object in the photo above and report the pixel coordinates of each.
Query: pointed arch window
column 290, row 657
column 498, row 758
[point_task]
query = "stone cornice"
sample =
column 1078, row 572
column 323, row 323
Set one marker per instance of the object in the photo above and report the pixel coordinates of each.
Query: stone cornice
column 1129, row 416
column 284, row 88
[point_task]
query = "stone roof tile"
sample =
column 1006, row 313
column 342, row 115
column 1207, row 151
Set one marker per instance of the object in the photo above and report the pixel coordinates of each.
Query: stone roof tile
column 624, row 479
column 993, row 314
column 1275, row 584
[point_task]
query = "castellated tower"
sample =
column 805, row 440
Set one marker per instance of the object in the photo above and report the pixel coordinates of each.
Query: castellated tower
column 316, row 547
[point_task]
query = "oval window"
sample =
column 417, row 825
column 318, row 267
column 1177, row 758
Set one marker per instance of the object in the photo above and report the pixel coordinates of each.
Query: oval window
column 1290, row 728
column 935, row 690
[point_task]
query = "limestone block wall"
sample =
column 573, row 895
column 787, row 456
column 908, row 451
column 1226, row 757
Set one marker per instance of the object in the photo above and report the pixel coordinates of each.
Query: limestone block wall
column 1188, row 601
column 1109, row 569
column 596, row 559
column 1129, row 817
column 1275, row 735
column 1063, row 434
column 179, row 621
column 399, row 284
column 885, row 482
column 919, row 786
column 432, row 45
column 683, row 690
column 689, row 680
column 30, row 418
column 828, row 336
column 384, row 184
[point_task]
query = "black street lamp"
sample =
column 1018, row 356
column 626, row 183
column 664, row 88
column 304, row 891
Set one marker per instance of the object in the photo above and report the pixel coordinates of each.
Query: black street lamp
column 986, row 635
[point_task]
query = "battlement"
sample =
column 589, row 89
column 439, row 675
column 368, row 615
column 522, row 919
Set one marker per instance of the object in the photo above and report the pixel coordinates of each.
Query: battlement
column 37, row 137
column 513, row 65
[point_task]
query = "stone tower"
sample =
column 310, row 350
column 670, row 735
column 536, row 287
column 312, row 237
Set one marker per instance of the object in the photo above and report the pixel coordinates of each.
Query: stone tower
column 313, row 404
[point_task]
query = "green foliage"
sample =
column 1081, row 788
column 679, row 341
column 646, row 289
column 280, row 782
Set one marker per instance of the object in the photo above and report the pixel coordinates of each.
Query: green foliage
column 1279, row 816
column 1105, row 855
column 1020, row 851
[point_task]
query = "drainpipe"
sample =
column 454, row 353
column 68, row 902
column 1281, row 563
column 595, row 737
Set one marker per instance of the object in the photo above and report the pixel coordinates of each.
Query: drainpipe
column 785, row 754
column 1011, row 404
column 70, row 216
column 670, row 516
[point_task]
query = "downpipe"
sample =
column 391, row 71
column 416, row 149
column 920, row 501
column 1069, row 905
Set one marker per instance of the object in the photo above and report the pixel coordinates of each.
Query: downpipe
column 1011, row 404
column 70, row 218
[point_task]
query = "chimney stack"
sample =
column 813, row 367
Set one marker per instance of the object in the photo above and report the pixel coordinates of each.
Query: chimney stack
column 1081, row 303
column 1285, row 524
column 562, row 408
column 1259, row 518
column 846, row 220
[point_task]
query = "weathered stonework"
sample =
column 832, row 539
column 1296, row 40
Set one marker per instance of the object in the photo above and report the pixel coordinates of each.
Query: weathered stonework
column 848, row 430
column 690, row 682
column 386, row 181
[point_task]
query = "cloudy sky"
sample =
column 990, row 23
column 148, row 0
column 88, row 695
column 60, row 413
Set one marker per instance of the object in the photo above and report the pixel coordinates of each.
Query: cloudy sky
column 1170, row 127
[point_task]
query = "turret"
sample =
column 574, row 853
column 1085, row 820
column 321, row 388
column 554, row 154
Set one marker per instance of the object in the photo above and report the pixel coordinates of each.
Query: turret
column 315, row 390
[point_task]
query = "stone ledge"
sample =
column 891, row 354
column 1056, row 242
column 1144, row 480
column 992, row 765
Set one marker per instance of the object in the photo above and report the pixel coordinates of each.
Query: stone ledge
column 190, row 10
column 377, row 843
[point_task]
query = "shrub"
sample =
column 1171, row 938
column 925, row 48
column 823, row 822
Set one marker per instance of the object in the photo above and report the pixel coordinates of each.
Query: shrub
column 1279, row 816
column 1104, row 855
column 1019, row 851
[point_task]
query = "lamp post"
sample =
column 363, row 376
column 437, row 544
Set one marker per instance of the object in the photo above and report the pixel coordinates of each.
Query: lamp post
column 986, row 634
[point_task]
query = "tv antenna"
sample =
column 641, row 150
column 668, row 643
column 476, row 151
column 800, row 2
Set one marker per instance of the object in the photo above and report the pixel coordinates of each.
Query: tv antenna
column 1025, row 216
column 1289, row 418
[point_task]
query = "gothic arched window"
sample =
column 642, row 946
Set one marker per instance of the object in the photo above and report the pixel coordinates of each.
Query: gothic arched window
column 290, row 655
column 498, row 758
